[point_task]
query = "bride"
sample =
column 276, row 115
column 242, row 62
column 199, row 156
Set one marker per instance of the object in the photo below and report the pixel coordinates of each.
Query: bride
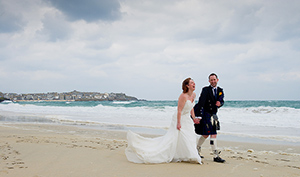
column 178, row 144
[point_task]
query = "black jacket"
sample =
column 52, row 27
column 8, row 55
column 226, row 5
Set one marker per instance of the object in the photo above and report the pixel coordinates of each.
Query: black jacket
column 206, row 105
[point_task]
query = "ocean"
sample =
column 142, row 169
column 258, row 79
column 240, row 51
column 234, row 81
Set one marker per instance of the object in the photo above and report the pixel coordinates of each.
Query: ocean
column 265, row 121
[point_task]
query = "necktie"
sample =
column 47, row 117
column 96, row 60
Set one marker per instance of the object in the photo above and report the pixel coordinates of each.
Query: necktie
column 215, row 93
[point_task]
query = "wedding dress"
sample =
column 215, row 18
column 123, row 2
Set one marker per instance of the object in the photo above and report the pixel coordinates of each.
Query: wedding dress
column 175, row 146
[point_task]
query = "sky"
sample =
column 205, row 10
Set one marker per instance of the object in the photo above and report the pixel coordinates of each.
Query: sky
column 146, row 48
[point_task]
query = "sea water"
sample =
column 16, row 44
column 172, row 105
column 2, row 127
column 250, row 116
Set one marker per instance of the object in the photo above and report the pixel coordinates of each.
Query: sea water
column 267, row 120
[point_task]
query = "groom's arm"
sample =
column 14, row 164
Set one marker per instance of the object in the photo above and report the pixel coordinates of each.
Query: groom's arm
column 198, row 109
column 221, row 97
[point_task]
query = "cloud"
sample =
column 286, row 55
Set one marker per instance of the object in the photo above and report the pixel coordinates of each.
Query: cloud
column 146, row 48
column 89, row 10
column 9, row 20
column 55, row 27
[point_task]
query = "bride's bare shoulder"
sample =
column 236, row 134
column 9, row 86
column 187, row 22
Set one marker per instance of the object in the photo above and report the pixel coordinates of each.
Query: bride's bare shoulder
column 182, row 97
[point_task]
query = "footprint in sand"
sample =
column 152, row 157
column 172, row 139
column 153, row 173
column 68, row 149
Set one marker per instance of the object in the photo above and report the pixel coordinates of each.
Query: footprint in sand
column 8, row 158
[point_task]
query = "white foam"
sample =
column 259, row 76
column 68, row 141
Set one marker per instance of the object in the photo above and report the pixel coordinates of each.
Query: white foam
column 267, row 122
column 143, row 116
column 7, row 101
column 262, row 116
column 123, row 102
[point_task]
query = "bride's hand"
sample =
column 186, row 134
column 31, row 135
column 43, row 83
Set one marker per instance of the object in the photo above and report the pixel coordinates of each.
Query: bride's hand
column 196, row 121
column 178, row 126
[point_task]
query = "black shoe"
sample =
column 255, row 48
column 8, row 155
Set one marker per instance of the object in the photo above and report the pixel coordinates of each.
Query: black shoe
column 219, row 159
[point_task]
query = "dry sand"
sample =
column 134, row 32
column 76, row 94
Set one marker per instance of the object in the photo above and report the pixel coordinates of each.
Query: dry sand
column 39, row 150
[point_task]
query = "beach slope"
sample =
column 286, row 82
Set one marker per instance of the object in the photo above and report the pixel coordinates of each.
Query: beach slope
column 59, row 150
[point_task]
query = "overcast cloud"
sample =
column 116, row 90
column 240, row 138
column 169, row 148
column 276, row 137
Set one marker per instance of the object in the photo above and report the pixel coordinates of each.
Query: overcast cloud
column 147, row 48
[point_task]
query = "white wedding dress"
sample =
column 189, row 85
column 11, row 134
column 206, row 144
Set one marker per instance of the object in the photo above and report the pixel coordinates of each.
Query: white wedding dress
column 175, row 146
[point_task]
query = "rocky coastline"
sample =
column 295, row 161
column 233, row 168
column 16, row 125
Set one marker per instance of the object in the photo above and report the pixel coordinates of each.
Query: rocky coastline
column 67, row 96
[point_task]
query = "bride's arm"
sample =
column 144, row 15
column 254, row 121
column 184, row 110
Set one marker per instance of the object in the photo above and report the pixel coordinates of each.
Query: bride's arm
column 192, row 111
column 181, row 102
column 196, row 120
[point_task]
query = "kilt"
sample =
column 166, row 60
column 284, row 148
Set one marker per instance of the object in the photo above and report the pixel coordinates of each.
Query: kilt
column 205, row 127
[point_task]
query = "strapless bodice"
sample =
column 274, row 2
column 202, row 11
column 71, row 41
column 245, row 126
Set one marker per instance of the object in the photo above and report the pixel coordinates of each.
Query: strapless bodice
column 187, row 107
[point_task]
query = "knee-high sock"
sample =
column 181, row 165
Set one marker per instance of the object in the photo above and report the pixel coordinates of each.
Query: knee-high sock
column 213, row 144
column 201, row 141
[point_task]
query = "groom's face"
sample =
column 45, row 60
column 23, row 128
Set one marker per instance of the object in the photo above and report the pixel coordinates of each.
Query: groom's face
column 213, row 80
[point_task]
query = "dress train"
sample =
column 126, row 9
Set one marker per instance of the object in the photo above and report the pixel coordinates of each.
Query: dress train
column 175, row 146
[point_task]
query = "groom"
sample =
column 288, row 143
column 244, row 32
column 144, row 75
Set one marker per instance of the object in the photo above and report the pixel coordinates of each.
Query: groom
column 206, row 109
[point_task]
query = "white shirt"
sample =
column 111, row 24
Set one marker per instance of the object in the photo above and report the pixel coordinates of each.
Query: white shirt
column 213, row 90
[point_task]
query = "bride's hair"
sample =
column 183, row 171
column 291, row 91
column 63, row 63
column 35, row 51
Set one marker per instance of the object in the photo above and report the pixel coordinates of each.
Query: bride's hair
column 184, row 85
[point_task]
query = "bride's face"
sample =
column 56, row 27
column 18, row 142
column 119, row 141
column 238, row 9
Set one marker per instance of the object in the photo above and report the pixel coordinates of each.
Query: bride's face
column 192, row 85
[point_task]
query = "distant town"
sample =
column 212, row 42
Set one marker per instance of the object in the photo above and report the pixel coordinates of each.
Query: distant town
column 66, row 96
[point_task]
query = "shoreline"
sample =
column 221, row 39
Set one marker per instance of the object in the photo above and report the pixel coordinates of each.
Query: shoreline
column 42, row 100
column 156, row 131
column 62, row 150
column 148, row 132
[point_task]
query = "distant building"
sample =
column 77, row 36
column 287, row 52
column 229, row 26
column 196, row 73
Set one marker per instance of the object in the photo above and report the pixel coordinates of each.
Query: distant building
column 68, row 96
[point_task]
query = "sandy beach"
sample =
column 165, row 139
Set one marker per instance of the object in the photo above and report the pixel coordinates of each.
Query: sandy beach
column 38, row 150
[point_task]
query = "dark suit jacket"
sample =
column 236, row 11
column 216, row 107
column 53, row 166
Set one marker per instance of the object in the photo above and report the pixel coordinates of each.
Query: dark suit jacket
column 206, row 105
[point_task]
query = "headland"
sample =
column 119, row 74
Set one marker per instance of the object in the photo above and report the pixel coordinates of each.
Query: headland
column 67, row 96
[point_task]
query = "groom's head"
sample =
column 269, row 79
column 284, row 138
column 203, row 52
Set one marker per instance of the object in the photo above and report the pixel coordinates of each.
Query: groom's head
column 213, row 79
